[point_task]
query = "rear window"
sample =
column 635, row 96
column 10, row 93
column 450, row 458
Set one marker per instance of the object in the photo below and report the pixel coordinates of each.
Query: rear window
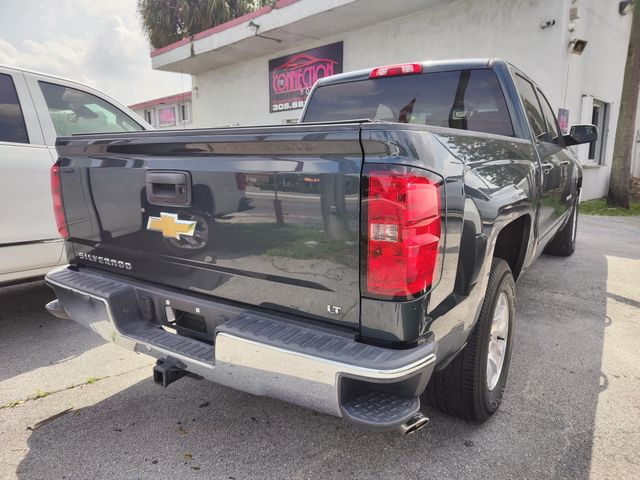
column 463, row 99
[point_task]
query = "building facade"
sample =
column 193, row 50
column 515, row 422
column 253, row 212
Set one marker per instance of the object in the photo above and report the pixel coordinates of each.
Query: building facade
column 174, row 111
column 257, row 69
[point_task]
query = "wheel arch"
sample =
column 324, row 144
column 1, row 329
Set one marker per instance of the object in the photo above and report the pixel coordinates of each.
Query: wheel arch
column 512, row 243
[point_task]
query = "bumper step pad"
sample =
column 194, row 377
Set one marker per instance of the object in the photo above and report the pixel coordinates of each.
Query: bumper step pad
column 156, row 337
column 381, row 408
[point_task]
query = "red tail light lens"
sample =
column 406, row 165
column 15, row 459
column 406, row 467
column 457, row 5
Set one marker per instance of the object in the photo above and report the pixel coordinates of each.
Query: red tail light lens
column 403, row 228
column 56, row 193
column 241, row 181
column 394, row 70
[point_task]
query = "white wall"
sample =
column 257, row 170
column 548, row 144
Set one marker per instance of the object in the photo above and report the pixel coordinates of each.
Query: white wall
column 239, row 95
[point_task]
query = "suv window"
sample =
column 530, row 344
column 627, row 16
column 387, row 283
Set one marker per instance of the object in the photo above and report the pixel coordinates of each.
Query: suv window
column 532, row 107
column 463, row 99
column 12, row 126
column 553, row 131
column 74, row 111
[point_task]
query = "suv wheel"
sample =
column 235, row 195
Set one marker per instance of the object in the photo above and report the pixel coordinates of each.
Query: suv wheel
column 564, row 242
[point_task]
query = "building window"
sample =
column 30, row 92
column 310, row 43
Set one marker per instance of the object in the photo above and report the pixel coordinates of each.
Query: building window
column 166, row 117
column 148, row 116
column 185, row 114
column 600, row 118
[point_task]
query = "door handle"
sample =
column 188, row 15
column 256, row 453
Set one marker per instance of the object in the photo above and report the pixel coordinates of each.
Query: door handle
column 547, row 167
column 564, row 162
column 168, row 188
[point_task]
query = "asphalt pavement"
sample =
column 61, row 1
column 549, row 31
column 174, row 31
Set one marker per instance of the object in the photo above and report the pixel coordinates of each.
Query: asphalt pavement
column 73, row 407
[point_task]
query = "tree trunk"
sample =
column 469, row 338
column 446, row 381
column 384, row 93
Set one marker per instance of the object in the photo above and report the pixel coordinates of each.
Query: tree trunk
column 621, row 165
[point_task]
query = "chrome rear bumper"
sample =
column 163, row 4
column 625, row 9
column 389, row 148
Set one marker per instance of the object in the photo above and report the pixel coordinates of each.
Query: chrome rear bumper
column 256, row 352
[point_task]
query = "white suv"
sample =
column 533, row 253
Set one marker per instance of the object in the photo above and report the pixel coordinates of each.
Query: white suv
column 34, row 110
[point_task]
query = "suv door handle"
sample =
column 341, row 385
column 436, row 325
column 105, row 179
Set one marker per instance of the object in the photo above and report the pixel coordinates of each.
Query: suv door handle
column 547, row 167
column 564, row 162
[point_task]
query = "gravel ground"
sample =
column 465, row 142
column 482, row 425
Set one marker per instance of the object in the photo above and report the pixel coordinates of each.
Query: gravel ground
column 572, row 407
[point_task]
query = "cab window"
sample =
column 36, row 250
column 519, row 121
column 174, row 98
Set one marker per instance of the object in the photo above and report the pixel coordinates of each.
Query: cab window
column 12, row 126
column 74, row 111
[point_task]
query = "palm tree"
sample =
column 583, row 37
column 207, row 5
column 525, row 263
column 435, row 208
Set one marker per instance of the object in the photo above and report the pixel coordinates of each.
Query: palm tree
column 167, row 21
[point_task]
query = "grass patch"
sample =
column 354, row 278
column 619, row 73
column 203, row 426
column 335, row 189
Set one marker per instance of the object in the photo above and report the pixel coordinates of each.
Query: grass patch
column 41, row 394
column 600, row 207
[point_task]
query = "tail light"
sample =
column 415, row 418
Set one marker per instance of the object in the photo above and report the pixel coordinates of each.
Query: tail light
column 402, row 211
column 56, row 193
column 395, row 70
column 241, row 181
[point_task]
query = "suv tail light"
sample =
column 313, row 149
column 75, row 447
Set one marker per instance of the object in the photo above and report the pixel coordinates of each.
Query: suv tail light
column 56, row 193
column 241, row 181
column 401, row 206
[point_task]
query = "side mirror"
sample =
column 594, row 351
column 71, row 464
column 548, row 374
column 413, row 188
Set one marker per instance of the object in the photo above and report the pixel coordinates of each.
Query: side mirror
column 581, row 134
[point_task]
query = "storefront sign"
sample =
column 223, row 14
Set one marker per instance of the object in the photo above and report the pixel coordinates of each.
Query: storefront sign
column 291, row 77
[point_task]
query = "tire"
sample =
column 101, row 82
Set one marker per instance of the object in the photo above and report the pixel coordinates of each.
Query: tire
column 564, row 242
column 462, row 389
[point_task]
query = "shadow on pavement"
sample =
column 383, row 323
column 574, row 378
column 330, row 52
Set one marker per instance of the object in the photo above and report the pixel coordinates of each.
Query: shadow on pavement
column 193, row 429
column 30, row 337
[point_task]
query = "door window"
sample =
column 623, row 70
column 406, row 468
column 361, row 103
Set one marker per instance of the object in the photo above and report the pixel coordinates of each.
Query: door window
column 12, row 126
column 532, row 107
column 74, row 111
column 553, row 130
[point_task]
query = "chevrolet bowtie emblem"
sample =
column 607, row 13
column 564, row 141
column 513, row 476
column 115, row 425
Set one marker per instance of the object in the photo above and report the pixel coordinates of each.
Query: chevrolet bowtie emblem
column 170, row 226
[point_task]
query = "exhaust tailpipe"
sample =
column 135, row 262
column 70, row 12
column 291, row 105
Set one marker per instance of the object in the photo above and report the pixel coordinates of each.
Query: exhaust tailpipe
column 417, row 422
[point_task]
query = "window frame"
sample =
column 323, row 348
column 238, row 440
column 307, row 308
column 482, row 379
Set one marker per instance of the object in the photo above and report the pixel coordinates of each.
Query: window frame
column 183, row 109
column 599, row 145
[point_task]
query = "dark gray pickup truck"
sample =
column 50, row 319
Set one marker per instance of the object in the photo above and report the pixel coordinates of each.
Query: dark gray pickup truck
column 353, row 264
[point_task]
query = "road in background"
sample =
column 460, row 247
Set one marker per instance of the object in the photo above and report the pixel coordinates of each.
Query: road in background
column 571, row 407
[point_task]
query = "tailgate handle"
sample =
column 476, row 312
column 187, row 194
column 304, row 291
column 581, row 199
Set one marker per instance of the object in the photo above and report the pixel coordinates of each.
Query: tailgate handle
column 168, row 188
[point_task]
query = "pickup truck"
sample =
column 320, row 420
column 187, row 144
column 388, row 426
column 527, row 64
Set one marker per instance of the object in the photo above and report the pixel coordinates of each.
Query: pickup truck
column 373, row 264
column 35, row 108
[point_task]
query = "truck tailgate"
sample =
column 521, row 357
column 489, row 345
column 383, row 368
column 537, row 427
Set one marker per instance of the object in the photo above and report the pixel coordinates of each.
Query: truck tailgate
column 264, row 216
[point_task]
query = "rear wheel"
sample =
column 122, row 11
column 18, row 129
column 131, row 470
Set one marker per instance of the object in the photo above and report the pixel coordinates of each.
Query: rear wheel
column 564, row 242
column 472, row 385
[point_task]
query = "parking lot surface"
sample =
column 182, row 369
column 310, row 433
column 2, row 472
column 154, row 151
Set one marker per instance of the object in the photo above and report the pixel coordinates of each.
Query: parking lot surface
column 572, row 406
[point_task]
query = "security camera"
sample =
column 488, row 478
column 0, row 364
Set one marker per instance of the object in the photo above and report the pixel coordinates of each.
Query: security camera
column 547, row 23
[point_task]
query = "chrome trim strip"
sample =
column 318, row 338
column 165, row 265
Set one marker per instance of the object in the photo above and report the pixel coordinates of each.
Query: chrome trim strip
column 32, row 242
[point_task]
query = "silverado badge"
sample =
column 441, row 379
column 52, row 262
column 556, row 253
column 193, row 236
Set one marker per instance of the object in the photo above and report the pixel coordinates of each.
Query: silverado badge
column 170, row 226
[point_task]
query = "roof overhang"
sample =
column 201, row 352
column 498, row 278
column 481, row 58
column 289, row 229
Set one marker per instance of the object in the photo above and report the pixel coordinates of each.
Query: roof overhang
column 288, row 24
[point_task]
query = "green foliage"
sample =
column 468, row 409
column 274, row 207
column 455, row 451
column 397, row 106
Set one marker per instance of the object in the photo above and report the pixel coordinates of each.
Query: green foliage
column 168, row 21
column 600, row 207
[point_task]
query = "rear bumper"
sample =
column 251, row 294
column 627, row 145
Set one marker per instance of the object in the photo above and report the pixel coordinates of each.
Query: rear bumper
column 311, row 366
